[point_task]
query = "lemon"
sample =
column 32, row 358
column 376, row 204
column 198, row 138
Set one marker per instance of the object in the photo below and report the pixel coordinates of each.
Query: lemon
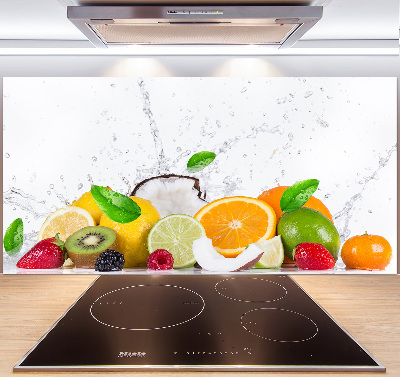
column 87, row 202
column 176, row 233
column 273, row 253
column 132, row 237
column 65, row 221
column 307, row 225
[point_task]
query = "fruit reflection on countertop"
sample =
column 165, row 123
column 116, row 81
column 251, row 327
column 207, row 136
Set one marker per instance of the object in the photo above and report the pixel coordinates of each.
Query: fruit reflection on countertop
column 366, row 252
column 132, row 236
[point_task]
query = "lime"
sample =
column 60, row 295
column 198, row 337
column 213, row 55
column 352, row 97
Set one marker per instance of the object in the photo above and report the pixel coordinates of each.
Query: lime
column 273, row 253
column 176, row 233
column 307, row 225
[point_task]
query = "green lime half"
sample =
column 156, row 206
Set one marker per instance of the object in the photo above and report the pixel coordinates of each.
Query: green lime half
column 176, row 234
column 273, row 253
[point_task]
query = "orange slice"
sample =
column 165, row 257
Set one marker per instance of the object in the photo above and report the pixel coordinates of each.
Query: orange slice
column 233, row 223
column 65, row 221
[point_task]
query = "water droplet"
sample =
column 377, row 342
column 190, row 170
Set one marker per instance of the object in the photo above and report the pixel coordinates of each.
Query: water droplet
column 243, row 90
column 80, row 186
column 48, row 192
column 322, row 123
column 245, row 155
column 308, row 94
column 61, row 178
column 51, row 186
column 7, row 155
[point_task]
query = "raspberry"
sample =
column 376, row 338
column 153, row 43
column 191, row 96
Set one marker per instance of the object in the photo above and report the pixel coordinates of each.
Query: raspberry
column 109, row 260
column 313, row 256
column 160, row 259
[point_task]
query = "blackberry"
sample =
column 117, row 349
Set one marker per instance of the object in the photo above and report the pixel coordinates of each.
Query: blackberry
column 109, row 260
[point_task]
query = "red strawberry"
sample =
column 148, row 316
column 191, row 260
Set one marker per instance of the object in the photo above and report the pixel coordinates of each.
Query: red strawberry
column 48, row 253
column 313, row 256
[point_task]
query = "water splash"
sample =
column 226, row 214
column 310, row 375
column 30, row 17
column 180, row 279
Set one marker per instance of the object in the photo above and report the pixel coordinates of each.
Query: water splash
column 344, row 216
column 228, row 144
column 28, row 203
column 162, row 161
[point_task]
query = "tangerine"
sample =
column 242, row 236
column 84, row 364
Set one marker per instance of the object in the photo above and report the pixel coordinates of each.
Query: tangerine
column 232, row 223
column 366, row 252
column 273, row 198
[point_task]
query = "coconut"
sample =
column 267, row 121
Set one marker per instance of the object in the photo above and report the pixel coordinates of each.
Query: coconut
column 209, row 258
column 172, row 194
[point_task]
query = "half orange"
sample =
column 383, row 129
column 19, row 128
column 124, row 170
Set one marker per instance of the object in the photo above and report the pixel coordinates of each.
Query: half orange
column 232, row 223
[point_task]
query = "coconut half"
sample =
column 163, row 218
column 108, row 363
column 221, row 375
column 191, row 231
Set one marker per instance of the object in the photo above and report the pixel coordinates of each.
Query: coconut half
column 172, row 194
column 209, row 258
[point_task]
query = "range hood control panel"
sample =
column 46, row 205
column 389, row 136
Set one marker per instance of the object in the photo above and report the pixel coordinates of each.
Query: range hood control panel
column 195, row 12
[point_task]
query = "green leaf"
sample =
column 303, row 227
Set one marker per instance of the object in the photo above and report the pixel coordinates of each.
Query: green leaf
column 116, row 206
column 297, row 195
column 200, row 160
column 14, row 237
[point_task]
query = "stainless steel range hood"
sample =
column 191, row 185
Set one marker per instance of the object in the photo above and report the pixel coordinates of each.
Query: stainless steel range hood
column 116, row 26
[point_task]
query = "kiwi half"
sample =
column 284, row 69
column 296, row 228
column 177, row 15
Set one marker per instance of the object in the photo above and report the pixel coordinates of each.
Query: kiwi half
column 85, row 245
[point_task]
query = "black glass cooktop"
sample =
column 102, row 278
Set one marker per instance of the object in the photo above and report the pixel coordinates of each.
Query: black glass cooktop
column 199, row 322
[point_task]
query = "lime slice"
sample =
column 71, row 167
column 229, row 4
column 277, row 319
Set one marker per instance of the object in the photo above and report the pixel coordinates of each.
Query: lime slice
column 273, row 253
column 176, row 234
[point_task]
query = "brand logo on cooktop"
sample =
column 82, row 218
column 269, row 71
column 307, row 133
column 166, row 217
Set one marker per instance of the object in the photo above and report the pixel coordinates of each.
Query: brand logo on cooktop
column 131, row 354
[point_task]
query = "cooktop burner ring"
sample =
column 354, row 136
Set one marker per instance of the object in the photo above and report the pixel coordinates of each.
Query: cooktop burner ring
column 280, row 295
column 181, row 322
column 307, row 323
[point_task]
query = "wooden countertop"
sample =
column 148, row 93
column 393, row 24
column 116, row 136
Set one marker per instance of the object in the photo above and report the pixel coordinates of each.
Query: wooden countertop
column 368, row 307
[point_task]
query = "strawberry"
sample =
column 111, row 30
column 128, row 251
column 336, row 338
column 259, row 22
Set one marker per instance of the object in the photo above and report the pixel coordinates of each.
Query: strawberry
column 313, row 256
column 48, row 253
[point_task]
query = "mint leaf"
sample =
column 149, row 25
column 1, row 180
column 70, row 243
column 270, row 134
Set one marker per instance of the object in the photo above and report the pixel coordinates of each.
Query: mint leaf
column 200, row 160
column 116, row 206
column 297, row 195
column 14, row 237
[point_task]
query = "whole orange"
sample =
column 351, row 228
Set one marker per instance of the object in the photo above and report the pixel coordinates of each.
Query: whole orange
column 273, row 198
column 366, row 252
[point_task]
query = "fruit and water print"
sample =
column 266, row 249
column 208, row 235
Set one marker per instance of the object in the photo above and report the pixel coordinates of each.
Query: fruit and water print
column 178, row 215
column 228, row 234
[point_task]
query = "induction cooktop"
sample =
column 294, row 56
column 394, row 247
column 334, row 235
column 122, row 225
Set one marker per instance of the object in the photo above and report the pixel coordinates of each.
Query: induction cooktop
column 199, row 322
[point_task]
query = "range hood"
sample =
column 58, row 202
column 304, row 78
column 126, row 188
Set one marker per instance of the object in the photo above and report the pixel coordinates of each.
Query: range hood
column 267, row 25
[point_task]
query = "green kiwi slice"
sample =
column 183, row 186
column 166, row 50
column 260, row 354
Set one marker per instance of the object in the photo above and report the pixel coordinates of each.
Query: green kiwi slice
column 85, row 245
